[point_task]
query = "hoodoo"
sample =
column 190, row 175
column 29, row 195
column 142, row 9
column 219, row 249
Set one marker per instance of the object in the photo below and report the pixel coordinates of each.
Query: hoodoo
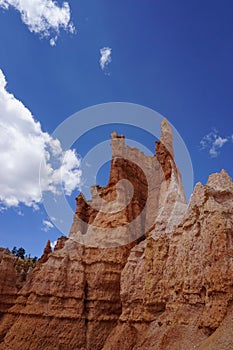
column 140, row 270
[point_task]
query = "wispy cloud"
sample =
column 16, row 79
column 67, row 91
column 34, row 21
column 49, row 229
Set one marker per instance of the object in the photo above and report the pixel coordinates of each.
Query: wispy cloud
column 213, row 142
column 105, row 57
column 43, row 17
column 47, row 226
column 23, row 145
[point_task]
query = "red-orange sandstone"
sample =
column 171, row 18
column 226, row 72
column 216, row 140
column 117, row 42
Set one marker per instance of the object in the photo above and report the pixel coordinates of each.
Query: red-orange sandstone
column 169, row 288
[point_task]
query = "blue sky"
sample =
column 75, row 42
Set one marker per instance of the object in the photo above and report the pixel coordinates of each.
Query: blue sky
column 175, row 57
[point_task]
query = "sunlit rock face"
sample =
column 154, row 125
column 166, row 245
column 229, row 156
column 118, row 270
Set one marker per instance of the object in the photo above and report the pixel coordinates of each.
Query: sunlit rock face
column 139, row 270
column 176, row 289
column 11, row 280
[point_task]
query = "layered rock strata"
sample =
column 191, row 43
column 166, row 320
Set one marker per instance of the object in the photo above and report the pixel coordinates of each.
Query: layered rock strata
column 152, row 274
column 177, row 289
column 74, row 293
column 12, row 280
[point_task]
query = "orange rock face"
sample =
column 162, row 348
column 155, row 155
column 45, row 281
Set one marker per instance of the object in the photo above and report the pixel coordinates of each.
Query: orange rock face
column 177, row 289
column 13, row 275
column 163, row 282
column 11, row 278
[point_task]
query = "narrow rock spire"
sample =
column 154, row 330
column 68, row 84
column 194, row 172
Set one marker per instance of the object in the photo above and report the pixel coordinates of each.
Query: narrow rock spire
column 47, row 251
column 166, row 136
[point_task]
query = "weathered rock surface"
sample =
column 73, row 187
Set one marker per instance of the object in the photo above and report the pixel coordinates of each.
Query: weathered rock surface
column 69, row 302
column 46, row 252
column 138, row 189
column 177, row 289
column 12, row 283
column 169, row 287
column 13, row 275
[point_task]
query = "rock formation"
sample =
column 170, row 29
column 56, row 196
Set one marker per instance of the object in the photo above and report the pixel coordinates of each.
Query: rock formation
column 13, row 275
column 46, row 252
column 177, row 289
column 10, row 280
column 140, row 270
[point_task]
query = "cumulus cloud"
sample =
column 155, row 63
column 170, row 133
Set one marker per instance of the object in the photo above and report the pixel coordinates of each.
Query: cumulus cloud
column 23, row 144
column 105, row 57
column 47, row 225
column 43, row 17
column 213, row 142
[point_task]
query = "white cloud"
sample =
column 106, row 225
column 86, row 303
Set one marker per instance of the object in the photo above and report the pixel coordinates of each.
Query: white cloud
column 213, row 142
column 71, row 179
column 105, row 57
column 43, row 17
column 22, row 146
column 53, row 41
column 47, row 225
column 53, row 244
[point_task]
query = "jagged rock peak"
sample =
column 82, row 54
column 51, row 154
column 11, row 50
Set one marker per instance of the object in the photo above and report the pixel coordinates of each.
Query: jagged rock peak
column 156, row 184
column 220, row 181
column 166, row 137
column 60, row 243
column 47, row 251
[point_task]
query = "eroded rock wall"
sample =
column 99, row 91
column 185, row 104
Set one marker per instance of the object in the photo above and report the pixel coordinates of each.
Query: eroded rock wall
column 177, row 289
column 72, row 299
column 169, row 286
column 11, row 278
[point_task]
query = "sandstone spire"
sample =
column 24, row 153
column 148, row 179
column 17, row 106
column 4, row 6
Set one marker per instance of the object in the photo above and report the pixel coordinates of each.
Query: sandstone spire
column 47, row 251
column 166, row 136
